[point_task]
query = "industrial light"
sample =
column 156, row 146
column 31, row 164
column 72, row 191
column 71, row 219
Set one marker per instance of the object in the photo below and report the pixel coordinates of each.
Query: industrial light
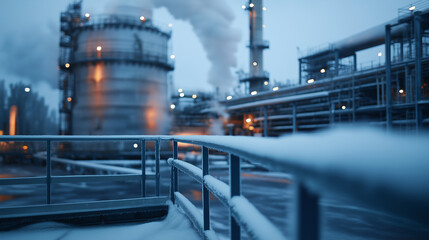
column 170, row 25
column 172, row 106
column 412, row 8
column 142, row 18
column 99, row 48
column 322, row 70
column 87, row 15
column 251, row 128
column 264, row 8
column 69, row 99
column 172, row 56
column 310, row 80
column 229, row 98
column 135, row 145
column 194, row 96
column 27, row 89
column 248, row 120
column 243, row 6
column 255, row 64
column 263, row 26
column 67, row 65
column 251, row 5
column 401, row 91
column 380, row 54
column 254, row 93
column 266, row 83
column 275, row 89
column 25, row 147
column 181, row 94
column 343, row 107
column 180, row 90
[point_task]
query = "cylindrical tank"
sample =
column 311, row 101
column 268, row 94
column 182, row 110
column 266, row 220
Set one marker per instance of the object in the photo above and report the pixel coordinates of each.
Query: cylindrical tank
column 120, row 66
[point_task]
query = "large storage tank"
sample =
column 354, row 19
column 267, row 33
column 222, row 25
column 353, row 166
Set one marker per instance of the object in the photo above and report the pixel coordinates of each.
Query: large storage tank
column 119, row 65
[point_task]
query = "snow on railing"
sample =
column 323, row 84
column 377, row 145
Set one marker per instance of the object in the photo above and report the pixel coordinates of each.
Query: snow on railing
column 384, row 171
column 366, row 165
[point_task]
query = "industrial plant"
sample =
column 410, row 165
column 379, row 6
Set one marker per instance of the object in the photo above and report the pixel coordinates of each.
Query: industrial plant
column 113, row 72
column 334, row 89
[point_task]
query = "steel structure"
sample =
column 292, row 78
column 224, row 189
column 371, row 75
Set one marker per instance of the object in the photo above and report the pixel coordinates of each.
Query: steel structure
column 323, row 170
column 113, row 73
column 256, row 77
column 333, row 88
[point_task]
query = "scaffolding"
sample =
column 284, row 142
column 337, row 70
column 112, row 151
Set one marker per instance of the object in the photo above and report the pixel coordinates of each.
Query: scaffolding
column 394, row 94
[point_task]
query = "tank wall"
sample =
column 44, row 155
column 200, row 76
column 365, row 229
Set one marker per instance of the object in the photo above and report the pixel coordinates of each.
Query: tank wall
column 119, row 96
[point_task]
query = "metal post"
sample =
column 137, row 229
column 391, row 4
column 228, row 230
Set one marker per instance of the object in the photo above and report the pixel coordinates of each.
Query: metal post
column 337, row 63
column 48, row 172
column 143, row 167
column 299, row 72
column 331, row 111
column 157, row 157
column 206, row 193
column 354, row 62
column 353, row 100
column 418, row 67
column 306, row 214
column 235, row 188
column 175, row 172
column 388, row 81
column 294, row 117
column 265, row 121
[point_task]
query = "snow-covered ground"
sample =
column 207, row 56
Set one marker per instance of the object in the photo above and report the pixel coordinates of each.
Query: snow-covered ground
column 174, row 226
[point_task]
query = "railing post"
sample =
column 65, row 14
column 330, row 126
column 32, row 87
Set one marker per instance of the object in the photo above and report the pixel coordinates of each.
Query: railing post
column 48, row 172
column 206, row 194
column 143, row 167
column 157, row 157
column 306, row 213
column 235, row 187
column 173, row 172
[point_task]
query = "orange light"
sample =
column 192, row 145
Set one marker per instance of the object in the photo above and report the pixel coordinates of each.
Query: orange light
column 251, row 128
column 1, row 132
column 69, row 99
column 67, row 65
column 25, row 147
column 12, row 120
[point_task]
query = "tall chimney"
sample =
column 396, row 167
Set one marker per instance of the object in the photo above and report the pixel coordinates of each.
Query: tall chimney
column 257, row 76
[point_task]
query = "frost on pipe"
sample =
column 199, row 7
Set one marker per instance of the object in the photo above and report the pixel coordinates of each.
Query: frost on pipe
column 187, row 168
column 254, row 223
column 385, row 171
column 195, row 216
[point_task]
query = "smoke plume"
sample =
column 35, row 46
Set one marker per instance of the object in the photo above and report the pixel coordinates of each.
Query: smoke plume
column 212, row 23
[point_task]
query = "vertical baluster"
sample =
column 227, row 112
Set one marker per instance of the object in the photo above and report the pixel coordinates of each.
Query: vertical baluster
column 48, row 172
column 306, row 213
column 157, row 157
column 235, row 186
column 175, row 172
column 143, row 167
column 206, row 194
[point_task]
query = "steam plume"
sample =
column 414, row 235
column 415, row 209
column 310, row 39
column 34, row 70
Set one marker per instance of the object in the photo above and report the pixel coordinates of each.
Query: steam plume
column 211, row 21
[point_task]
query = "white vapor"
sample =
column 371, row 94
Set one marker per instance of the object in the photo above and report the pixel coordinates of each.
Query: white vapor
column 212, row 23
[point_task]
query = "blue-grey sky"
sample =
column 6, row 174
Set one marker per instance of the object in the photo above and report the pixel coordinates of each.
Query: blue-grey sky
column 29, row 32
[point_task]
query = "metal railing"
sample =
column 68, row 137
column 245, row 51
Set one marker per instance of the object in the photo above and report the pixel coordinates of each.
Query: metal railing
column 386, row 172
column 49, row 179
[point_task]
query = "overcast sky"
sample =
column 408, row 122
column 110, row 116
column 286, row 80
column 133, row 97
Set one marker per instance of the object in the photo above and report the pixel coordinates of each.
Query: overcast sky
column 29, row 34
